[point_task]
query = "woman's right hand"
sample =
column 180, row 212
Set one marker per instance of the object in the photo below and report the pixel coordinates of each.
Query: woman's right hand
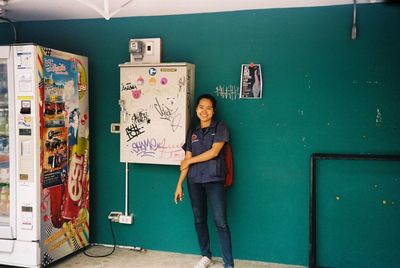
column 178, row 194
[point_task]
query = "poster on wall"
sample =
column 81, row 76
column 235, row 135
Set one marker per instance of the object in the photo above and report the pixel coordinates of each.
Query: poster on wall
column 251, row 81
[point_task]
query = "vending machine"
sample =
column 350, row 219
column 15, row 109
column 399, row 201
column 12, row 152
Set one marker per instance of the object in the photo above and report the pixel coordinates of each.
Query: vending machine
column 44, row 155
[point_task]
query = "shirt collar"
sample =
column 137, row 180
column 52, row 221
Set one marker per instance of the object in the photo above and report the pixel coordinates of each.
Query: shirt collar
column 212, row 125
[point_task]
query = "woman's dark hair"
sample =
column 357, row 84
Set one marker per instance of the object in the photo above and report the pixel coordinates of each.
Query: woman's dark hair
column 209, row 97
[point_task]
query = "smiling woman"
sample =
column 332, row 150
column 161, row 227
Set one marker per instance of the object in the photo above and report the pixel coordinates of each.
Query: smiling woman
column 205, row 168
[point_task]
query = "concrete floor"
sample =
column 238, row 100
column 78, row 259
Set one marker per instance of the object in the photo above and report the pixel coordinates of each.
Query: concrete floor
column 123, row 257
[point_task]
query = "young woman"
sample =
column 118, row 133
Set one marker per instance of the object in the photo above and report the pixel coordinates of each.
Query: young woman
column 205, row 169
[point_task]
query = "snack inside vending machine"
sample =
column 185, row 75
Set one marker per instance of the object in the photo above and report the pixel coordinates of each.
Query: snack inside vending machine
column 44, row 155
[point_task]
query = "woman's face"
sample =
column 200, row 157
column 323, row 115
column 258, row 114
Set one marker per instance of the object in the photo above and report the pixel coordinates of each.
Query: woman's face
column 205, row 110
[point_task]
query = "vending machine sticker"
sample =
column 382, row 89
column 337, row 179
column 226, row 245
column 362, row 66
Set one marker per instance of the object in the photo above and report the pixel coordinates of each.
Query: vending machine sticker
column 60, row 84
column 24, row 60
column 64, row 154
column 25, row 83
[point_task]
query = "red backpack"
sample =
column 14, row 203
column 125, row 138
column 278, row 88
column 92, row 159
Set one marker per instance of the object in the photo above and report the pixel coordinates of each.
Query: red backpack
column 229, row 164
column 227, row 151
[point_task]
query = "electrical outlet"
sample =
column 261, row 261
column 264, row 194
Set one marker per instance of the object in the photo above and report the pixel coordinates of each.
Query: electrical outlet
column 115, row 128
column 114, row 216
column 148, row 50
column 126, row 219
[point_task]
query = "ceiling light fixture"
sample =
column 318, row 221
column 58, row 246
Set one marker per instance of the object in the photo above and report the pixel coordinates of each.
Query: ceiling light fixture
column 105, row 12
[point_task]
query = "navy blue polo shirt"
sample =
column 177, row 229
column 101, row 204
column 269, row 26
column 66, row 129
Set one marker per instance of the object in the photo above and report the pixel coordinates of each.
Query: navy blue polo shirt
column 200, row 140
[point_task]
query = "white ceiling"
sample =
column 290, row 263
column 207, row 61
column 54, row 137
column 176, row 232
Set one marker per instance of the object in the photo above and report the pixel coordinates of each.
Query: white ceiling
column 33, row 10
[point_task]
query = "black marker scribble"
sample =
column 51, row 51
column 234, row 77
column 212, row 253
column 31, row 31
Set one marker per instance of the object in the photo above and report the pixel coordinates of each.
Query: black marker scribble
column 128, row 86
column 133, row 131
column 140, row 117
column 169, row 114
column 181, row 83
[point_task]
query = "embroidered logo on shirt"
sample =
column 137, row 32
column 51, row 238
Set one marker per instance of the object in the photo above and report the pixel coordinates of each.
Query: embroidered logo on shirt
column 194, row 138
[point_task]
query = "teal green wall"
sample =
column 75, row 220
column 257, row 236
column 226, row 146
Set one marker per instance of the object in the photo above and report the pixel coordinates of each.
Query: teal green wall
column 322, row 92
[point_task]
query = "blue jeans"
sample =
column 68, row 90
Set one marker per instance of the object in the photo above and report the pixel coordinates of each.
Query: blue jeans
column 215, row 194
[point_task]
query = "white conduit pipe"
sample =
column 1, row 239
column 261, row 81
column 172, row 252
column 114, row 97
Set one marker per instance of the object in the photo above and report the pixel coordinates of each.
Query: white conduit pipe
column 126, row 188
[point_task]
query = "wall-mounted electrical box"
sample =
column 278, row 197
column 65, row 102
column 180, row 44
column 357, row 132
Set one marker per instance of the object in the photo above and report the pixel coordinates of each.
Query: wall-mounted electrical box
column 146, row 50
column 155, row 104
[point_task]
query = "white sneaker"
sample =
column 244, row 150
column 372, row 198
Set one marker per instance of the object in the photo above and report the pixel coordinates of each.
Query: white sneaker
column 204, row 262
